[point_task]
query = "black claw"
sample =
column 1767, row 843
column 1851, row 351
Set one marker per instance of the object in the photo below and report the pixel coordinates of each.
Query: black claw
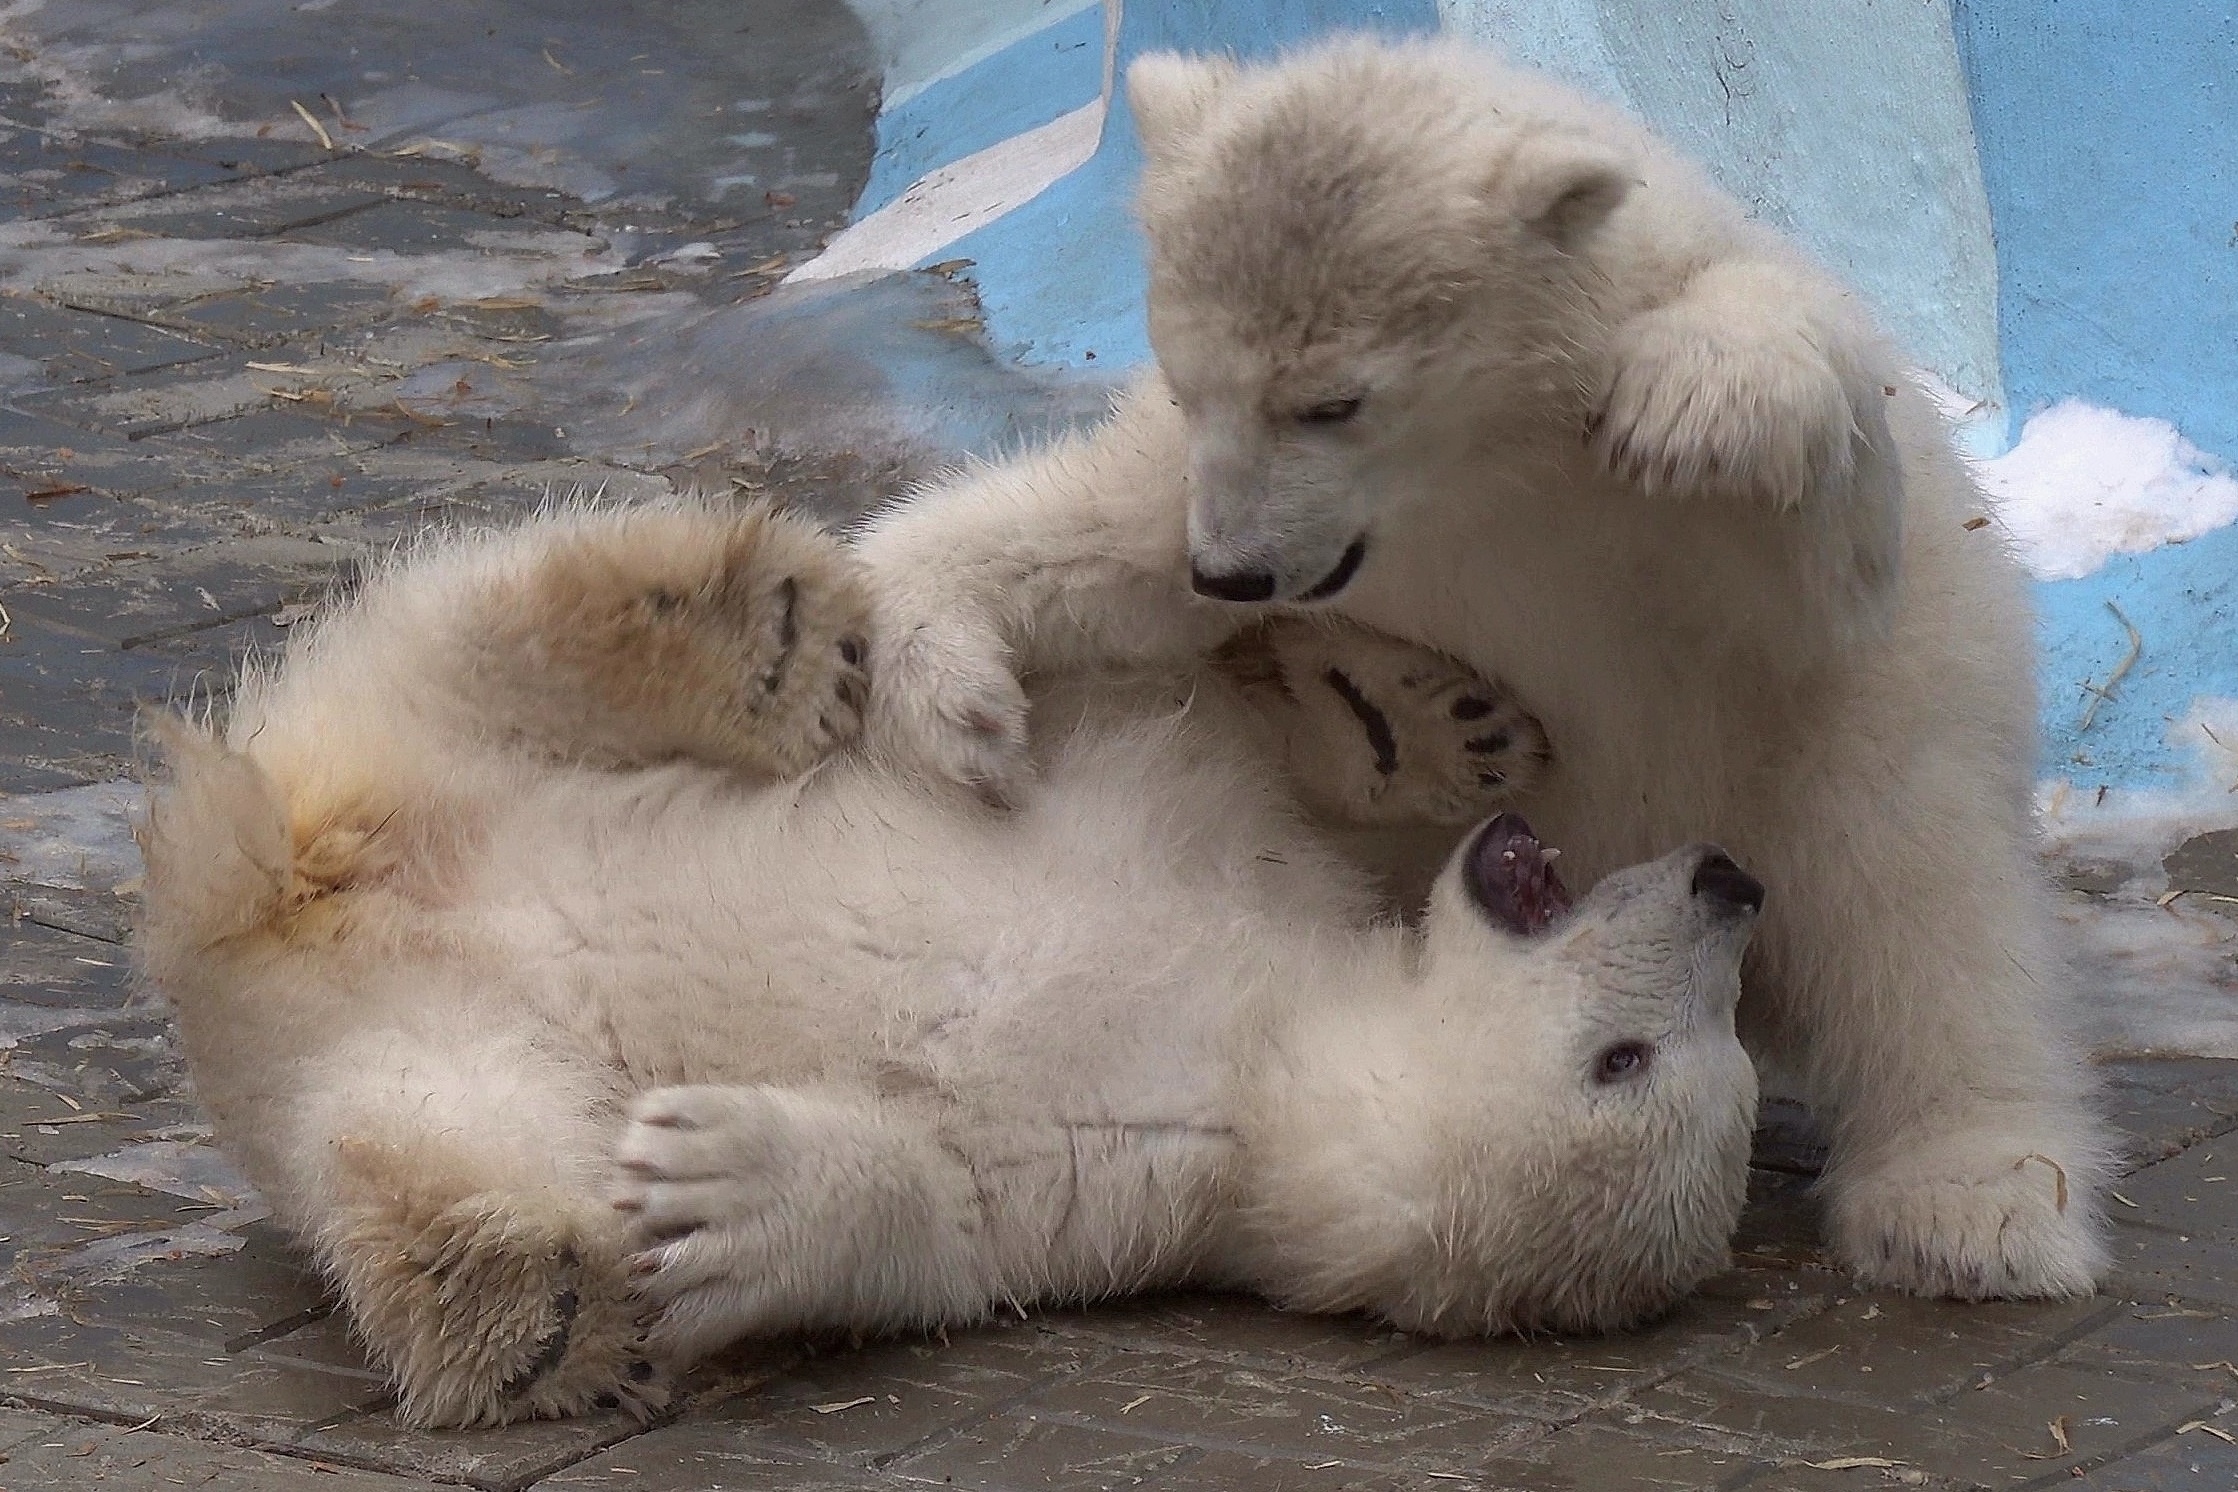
column 1469, row 707
column 640, row 1371
column 552, row 1351
column 851, row 651
column 1491, row 779
column 1489, row 745
column 607, row 1401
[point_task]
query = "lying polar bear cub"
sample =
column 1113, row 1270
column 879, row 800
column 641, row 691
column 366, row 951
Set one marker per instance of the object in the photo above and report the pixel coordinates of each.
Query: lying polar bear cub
column 583, row 1004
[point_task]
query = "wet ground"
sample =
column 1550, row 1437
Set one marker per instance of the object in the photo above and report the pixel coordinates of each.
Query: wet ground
column 512, row 254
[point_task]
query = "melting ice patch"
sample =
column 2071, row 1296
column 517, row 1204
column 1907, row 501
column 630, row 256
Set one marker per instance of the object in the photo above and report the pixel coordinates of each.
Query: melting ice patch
column 2156, row 962
column 2086, row 483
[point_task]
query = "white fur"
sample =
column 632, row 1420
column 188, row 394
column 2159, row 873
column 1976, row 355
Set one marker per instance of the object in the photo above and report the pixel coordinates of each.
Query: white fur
column 1636, row 456
column 892, row 1060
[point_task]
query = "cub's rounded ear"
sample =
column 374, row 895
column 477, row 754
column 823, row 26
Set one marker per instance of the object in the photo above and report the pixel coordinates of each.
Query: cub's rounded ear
column 1561, row 187
column 1171, row 95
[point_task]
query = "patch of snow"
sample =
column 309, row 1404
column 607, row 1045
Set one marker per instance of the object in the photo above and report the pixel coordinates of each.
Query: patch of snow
column 2085, row 483
column 2153, row 975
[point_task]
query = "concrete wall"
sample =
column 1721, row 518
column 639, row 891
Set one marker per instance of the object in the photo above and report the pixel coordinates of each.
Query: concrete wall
column 2040, row 196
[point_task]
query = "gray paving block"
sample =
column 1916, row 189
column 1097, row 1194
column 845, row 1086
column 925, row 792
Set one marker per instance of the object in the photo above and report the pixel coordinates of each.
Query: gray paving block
column 75, row 346
column 497, row 1459
column 1025, row 1448
column 697, row 1457
column 867, row 1405
column 2200, row 1458
column 1560, row 1378
column 1995, row 1436
column 1889, row 1349
column 252, row 208
column 1292, row 1415
column 270, row 314
column 409, row 227
column 79, row 1457
column 1609, row 1453
column 130, row 1374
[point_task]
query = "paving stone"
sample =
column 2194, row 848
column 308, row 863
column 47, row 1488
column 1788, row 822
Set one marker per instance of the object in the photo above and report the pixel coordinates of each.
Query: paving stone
column 2195, row 1345
column 1235, row 1328
column 1885, row 1348
column 79, row 1457
column 865, row 1406
column 242, row 209
column 497, row 1459
column 130, row 1374
column 1295, row 1414
column 74, row 346
column 2196, row 1460
column 1024, row 1449
column 707, row 1457
column 60, row 472
column 1993, row 1436
column 1609, row 1454
column 269, row 314
column 44, row 968
column 102, row 915
column 2164, row 1105
column 1231, row 1471
column 1560, row 1378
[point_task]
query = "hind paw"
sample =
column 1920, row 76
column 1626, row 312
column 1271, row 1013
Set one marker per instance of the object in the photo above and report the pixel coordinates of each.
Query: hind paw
column 735, row 638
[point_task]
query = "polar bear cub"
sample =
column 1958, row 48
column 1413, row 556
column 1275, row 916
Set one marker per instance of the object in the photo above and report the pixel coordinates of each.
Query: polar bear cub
column 584, row 1002
column 1450, row 350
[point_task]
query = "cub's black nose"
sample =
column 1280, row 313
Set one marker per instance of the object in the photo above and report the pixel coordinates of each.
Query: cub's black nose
column 1238, row 585
column 1719, row 879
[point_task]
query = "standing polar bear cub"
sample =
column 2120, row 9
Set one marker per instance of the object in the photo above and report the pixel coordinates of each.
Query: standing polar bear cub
column 584, row 1003
column 1460, row 354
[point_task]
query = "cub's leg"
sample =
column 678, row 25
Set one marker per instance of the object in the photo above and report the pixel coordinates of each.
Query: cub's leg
column 448, row 1187
column 765, row 1209
column 1377, row 731
column 734, row 637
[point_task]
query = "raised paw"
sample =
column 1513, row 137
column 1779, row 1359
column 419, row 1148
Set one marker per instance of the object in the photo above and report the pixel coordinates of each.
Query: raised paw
column 1994, row 1221
column 738, row 638
column 949, row 705
column 1384, row 732
column 1693, row 402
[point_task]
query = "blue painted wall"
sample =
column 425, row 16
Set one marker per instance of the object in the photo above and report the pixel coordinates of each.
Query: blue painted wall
column 2109, row 144
column 2109, row 147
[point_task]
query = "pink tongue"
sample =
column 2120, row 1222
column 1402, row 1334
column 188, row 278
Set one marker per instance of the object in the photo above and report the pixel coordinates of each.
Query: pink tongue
column 1510, row 875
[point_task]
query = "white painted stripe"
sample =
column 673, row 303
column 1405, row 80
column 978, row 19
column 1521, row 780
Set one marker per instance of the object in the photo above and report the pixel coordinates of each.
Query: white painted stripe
column 959, row 198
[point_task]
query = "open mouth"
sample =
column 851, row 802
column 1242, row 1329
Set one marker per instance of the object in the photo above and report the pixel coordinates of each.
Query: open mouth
column 1337, row 579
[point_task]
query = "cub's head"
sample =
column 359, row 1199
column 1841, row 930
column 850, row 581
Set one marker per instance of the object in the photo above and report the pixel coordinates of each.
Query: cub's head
column 1353, row 253
column 1552, row 1132
column 1603, row 1164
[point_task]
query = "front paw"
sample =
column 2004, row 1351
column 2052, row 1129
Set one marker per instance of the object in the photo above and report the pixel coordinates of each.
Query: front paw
column 1971, row 1217
column 1391, row 733
column 707, row 1181
column 1694, row 402
column 948, row 705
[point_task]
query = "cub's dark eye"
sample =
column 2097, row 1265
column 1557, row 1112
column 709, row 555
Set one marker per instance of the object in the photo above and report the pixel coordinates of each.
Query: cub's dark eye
column 1626, row 1059
column 1329, row 412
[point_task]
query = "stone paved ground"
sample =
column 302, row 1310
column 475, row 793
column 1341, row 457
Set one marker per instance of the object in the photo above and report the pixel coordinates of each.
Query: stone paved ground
column 234, row 361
